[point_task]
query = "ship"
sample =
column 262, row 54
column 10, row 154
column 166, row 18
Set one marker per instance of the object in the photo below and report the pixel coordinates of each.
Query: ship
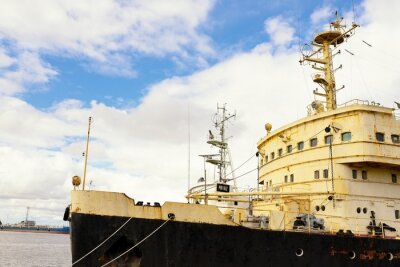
column 328, row 195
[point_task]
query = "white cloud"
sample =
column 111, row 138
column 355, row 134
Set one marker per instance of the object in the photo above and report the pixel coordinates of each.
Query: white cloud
column 105, row 30
column 321, row 15
column 280, row 31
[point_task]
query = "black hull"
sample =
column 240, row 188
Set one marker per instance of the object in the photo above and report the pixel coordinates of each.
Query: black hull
column 198, row 244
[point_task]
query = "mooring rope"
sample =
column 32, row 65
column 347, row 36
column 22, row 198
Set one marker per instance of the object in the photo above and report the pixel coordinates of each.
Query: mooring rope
column 140, row 242
column 87, row 254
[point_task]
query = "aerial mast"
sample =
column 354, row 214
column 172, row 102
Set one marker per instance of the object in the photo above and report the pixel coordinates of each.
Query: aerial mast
column 321, row 57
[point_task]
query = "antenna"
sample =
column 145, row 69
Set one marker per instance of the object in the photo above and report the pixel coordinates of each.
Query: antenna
column 26, row 217
column 322, row 58
column 86, row 153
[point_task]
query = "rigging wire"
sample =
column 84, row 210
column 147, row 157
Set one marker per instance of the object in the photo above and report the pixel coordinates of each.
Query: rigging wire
column 252, row 155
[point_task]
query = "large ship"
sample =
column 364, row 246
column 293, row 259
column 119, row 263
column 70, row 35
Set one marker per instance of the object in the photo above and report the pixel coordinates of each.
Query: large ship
column 328, row 196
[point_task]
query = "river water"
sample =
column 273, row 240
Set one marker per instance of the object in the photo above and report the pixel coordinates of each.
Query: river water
column 34, row 249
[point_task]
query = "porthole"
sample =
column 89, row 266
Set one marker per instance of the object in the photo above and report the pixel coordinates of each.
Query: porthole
column 358, row 210
column 322, row 207
column 317, row 208
column 299, row 252
column 352, row 255
column 365, row 210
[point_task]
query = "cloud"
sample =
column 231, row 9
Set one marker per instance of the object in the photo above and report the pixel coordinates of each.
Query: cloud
column 106, row 30
column 280, row 31
column 22, row 72
column 321, row 14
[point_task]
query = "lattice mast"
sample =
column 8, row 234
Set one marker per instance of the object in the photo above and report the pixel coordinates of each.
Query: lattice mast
column 321, row 56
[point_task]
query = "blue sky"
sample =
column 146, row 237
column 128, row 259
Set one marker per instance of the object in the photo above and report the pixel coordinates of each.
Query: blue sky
column 147, row 71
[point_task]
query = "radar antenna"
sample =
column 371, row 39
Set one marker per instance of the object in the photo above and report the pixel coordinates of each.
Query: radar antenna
column 321, row 57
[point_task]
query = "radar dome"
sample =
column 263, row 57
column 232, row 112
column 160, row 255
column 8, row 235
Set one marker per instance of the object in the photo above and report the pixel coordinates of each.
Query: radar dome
column 268, row 127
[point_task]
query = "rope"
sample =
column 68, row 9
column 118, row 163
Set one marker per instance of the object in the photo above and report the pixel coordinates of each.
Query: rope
column 87, row 254
column 252, row 155
column 140, row 242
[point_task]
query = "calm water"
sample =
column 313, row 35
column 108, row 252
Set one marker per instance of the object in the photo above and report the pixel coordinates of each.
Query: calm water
column 34, row 249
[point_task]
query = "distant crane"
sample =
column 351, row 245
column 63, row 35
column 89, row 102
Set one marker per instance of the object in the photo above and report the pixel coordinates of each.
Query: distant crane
column 26, row 217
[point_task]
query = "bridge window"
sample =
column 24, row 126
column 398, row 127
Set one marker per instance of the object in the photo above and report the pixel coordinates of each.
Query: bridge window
column 394, row 178
column 266, row 158
column 280, row 152
column 380, row 136
column 272, row 155
column 300, row 145
column 354, row 174
column 326, row 174
column 286, row 179
column 364, row 175
column 289, row 149
column 328, row 139
column 292, row 178
column 395, row 138
column 346, row 136
column 316, row 174
column 313, row 142
column 397, row 214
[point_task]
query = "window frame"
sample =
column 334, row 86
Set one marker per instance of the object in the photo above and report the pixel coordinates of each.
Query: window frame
column 316, row 174
column 312, row 144
column 395, row 138
column 330, row 136
column 300, row 145
column 380, row 134
column 346, row 136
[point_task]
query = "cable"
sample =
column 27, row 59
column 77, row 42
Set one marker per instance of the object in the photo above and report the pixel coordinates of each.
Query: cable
column 140, row 242
column 252, row 155
column 102, row 242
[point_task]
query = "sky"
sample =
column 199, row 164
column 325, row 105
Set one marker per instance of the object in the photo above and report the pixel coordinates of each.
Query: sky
column 151, row 74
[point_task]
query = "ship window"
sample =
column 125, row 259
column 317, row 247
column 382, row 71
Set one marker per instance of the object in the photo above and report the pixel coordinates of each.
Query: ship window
column 394, row 178
column 266, row 158
column 286, row 179
column 365, row 210
column 380, row 137
column 280, row 152
column 300, row 145
column 316, row 174
column 395, row 138
column 397, row 214
column 289, row 149
column 262, row 161
column 346, row 136
column 317, row 208
column 313, row 142
column 328, row 139
column 358, row 210
column 323, row 208
column 364, row 175
column 292, row 178
column 354, row 172
column 272, row 155
column 270, row 183
column 326, row 173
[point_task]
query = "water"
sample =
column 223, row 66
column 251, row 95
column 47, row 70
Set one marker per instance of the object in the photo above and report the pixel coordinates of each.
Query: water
column 34, row 249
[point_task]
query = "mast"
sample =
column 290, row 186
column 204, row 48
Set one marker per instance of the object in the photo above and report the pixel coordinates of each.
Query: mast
column 222, row 144
column 26, row 217
column 321, row 57
column 86, row 153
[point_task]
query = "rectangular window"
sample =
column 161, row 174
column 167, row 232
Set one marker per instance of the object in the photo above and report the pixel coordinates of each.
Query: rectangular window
column 380, row 137
column 286, row 179
column 270, row 183
column 354, row 172
column 280, row 152
column 289, row 149
column 272, row 155
column 328, row 139
column 292, row 178
column 313, row 142
column 326, row 173
column 261, row 161
column 300, row 145
column 364, row 175
column 316, row 174
column 395, row 138
column 266, row 158
column 346, row 136
column 397, row 214
column 394, row 178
